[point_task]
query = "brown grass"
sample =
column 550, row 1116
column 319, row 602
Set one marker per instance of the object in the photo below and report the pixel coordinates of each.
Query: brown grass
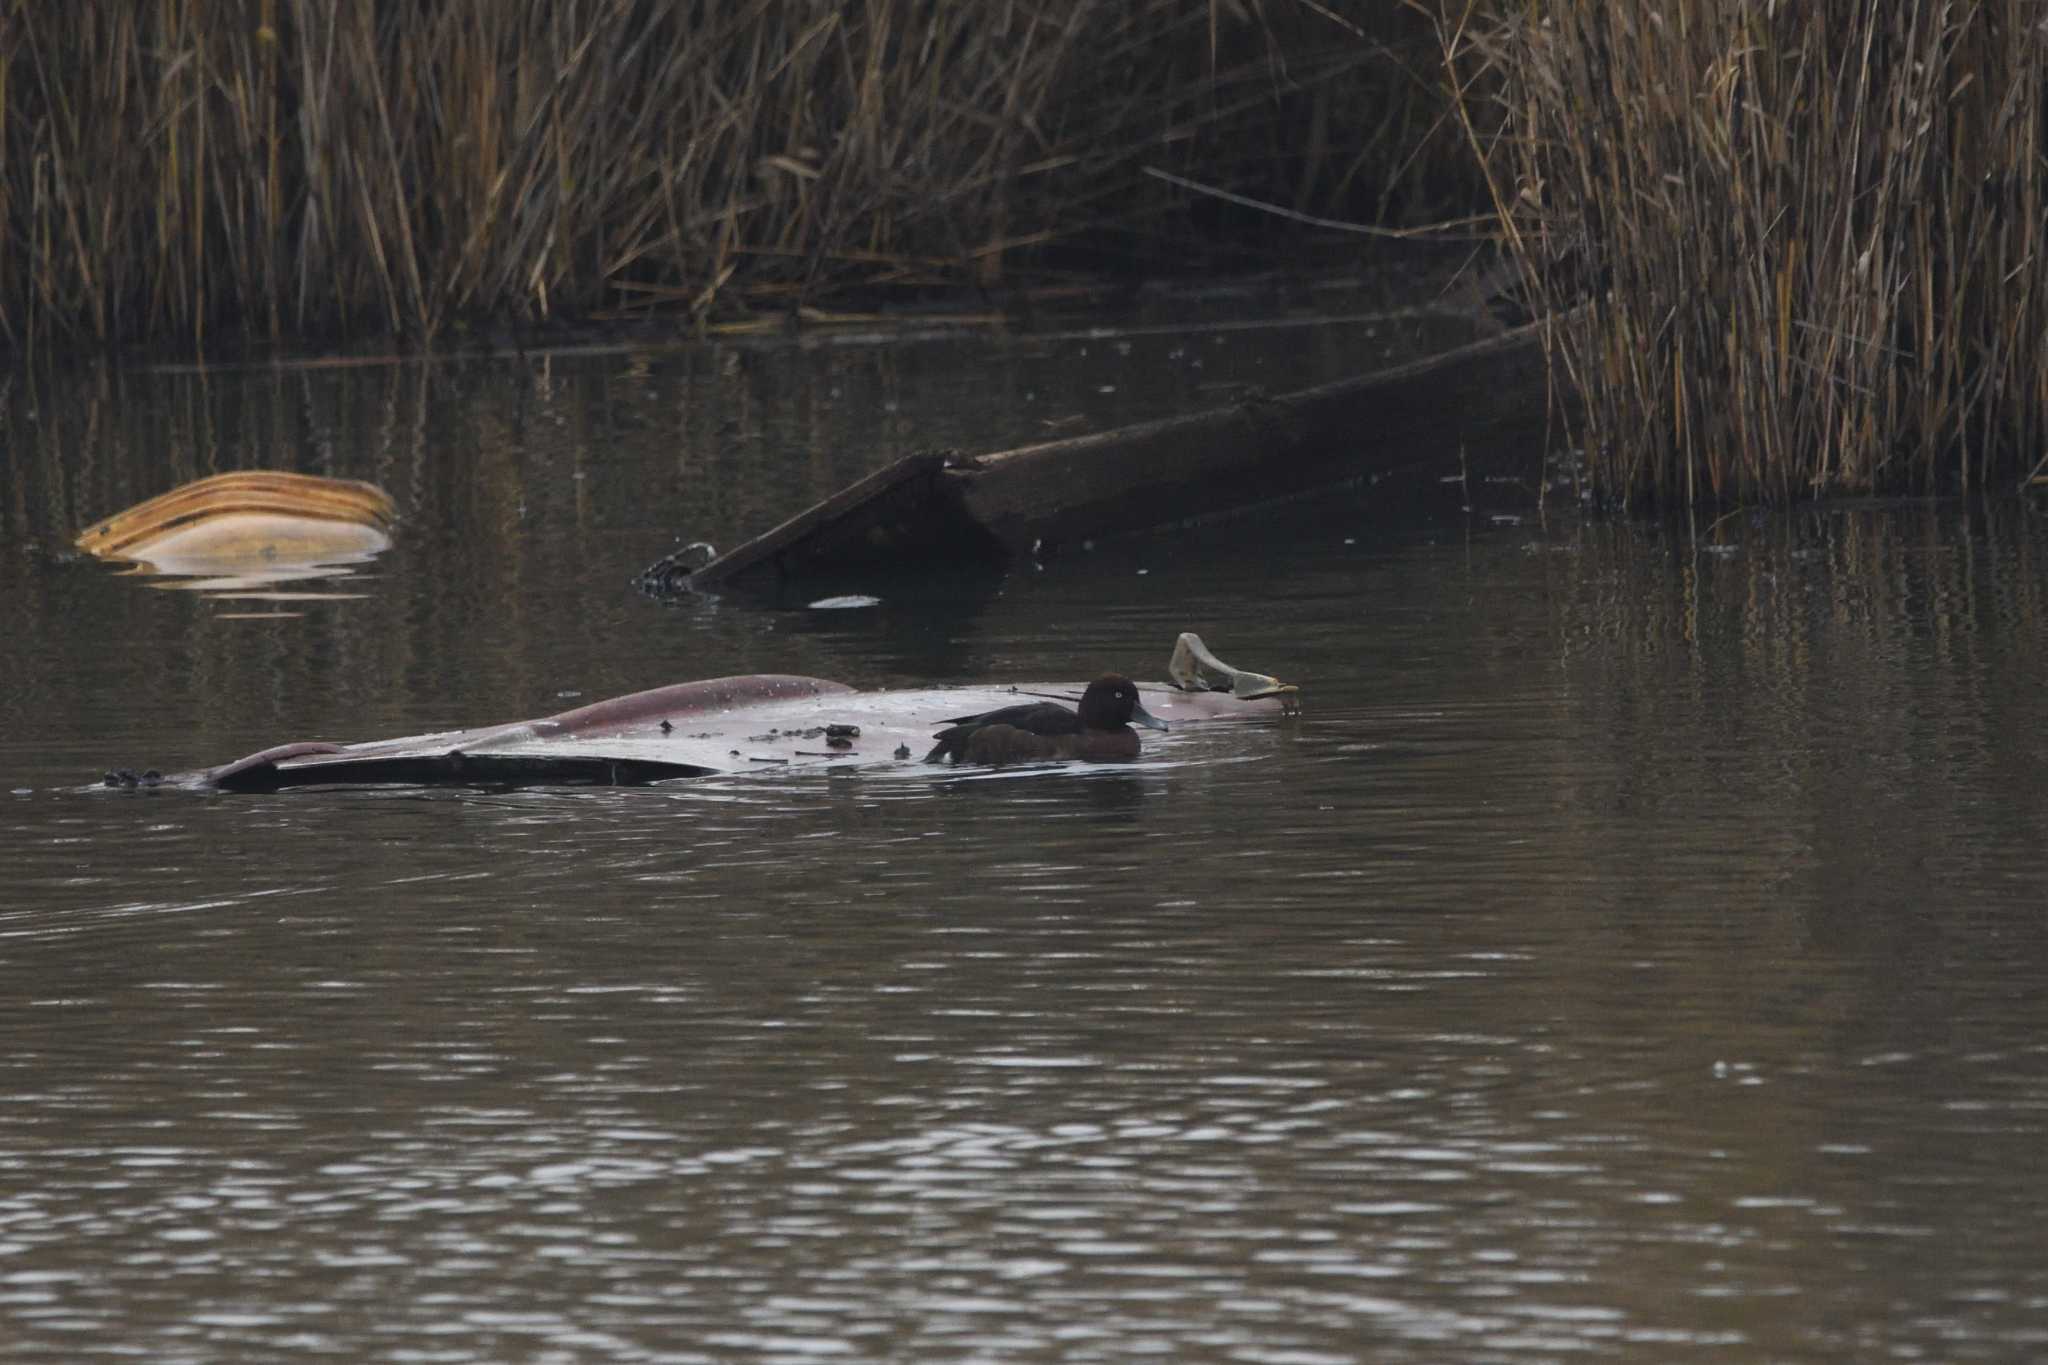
column 299, row 167
column 1787, row 248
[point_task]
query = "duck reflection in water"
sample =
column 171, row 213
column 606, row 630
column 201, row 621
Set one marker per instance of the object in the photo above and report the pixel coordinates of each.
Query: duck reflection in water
column 1099, row 732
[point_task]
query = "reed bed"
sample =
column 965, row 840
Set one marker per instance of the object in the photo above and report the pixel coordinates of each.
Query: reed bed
column 1784, row 248
column 295, row 168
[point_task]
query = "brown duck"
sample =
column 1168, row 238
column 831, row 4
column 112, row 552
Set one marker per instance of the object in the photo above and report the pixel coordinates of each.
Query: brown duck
column 1099, row 732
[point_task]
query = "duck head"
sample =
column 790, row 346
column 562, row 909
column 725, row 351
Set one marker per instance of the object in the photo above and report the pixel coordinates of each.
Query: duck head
column 1111, row 701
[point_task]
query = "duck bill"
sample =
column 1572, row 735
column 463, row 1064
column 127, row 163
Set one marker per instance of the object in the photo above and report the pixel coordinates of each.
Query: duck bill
column 1146, row 718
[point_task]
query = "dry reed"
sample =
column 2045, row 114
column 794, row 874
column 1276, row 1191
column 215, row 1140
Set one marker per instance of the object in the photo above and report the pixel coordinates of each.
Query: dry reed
column 1786, row 248
column 298, row 167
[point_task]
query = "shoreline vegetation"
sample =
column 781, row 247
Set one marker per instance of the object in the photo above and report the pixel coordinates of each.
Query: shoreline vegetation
column 1781, row 250
column 187, row 172
column 1784, row 249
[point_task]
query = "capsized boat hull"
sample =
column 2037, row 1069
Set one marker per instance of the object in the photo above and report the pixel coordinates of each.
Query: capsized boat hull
column 752, row 723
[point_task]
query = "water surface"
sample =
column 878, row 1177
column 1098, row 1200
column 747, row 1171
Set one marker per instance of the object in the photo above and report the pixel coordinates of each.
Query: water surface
column 1633, row 952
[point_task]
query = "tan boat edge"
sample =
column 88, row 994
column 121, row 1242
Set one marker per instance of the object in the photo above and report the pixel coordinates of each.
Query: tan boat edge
column 273, row 492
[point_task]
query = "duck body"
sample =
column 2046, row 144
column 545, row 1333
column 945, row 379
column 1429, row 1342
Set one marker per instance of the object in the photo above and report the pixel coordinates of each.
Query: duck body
column 1099, row 732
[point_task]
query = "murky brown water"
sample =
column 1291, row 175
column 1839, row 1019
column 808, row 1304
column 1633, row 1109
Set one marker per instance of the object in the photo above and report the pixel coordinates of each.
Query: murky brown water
column 1635, row 952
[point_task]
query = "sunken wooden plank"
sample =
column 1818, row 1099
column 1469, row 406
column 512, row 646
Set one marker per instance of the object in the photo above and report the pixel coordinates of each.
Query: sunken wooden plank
column 1480, row 408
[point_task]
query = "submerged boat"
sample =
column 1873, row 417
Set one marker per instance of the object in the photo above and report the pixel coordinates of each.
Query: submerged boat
column 750, row 723
column 1474, row 413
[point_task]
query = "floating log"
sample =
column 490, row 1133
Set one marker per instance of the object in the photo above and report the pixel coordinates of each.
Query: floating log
column 1478, row 410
